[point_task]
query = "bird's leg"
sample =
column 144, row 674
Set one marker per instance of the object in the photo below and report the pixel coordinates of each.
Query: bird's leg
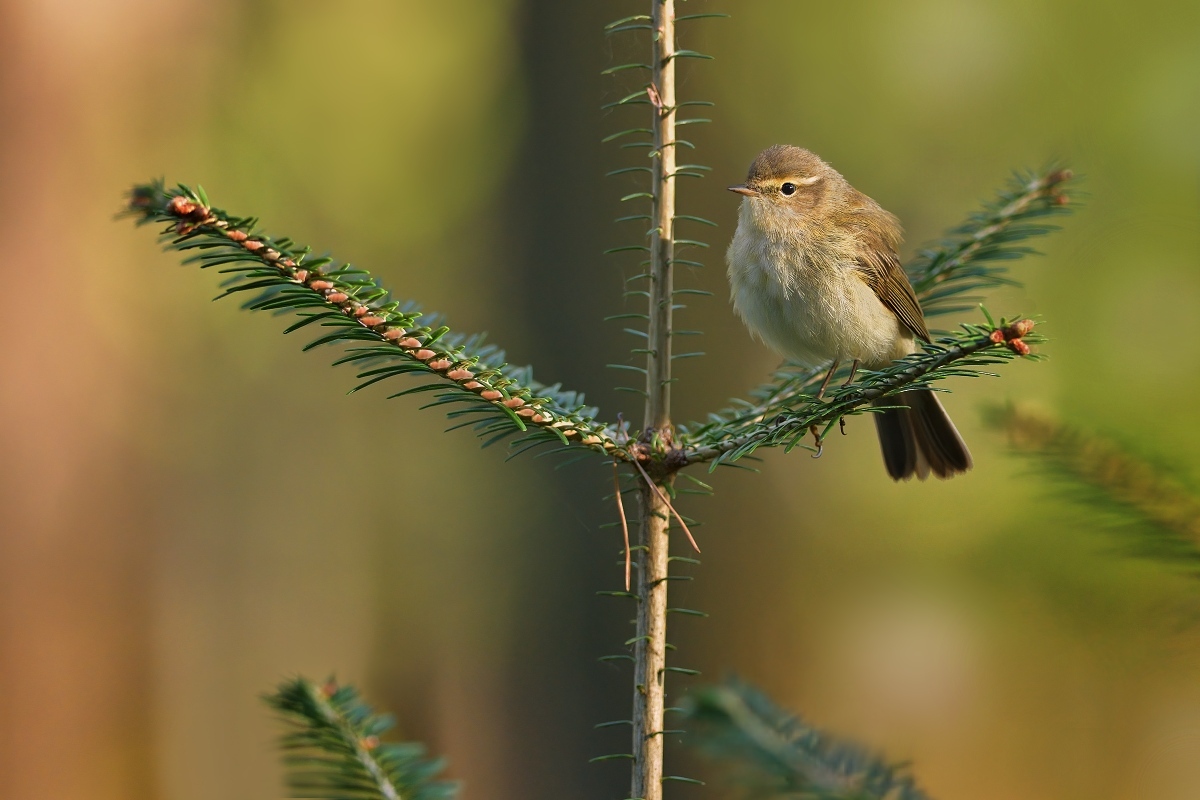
column 828, row 377
column 853, row 372
column 842, row 425
column 817, row 440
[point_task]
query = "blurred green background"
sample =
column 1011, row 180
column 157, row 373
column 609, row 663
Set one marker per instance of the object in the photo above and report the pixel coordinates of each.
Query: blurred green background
column 191, row 509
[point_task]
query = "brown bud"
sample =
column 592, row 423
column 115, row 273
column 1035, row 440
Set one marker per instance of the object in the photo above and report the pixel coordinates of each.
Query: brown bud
column 361, row 311
column 472, row 385
column 997, row 336
column 337, row 297
column 1062, row 199
column 491, row 394
column 410, row 343
column 301, row 275
column 180, row 206
column 424, row 355
column 253, row 245
column 440, row 364
column 371, row 322
column 369, row 742
column 460, row 374
column 1022, row 327
column 329, row 688
column 1019, row 347
column 393, row 334
column 271, row 255
column 525, row 412
column 320, row 286
column 237, row 236
column 514, row 402
column 287, row 262
column 538, row 418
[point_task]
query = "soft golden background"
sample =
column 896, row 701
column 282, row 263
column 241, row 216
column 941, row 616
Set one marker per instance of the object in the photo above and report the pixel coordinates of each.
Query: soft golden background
column 191, row 509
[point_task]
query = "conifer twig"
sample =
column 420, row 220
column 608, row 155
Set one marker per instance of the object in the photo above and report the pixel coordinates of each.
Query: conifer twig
column 956, row 355
column 333, row 748
column 624, row 522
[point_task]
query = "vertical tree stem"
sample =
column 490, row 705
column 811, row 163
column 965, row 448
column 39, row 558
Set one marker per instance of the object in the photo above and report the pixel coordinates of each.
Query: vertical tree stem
column 651, row 643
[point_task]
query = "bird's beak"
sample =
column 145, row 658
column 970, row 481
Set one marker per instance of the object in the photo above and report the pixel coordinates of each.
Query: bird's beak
column 746, row 190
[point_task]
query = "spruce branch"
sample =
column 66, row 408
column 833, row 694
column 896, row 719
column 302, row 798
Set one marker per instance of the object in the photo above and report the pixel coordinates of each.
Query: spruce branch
column 972, row 257
column 332, row 748
column 777, row 754
column 384, row 337
column 1159, row 513
column 960, row 354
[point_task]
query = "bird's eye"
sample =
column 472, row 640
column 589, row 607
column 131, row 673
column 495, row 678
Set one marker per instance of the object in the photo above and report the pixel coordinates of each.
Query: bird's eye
column 788, row 189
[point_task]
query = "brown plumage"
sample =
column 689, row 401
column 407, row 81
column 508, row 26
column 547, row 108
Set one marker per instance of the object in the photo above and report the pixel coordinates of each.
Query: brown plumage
column 814, row 273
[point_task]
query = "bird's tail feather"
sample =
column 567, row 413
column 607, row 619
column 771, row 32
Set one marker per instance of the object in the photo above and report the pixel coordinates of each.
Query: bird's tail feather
column 918, row 438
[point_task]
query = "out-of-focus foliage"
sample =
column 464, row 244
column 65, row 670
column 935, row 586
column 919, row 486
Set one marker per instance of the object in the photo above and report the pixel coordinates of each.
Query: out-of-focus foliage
column 1158, row 514
column 777, row 754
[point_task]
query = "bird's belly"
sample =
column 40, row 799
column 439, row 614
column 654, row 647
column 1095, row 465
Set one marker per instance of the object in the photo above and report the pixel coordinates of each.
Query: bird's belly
column 819, row 315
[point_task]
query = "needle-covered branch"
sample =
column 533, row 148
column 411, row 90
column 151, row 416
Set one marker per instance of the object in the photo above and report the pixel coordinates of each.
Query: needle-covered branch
column 776, row 754
column 956, row 355
column 972, row 257
column 1159, row 513
column 332, row 748
column 385, row 338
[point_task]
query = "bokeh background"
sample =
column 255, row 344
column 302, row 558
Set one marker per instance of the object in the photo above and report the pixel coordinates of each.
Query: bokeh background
column 192, row 509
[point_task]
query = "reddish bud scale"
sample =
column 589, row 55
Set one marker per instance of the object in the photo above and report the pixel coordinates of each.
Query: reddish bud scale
column 393, row 334
column 491, row 394
column 237, row 236
column 271, row 255
column 514, row 402
column 320, row 286
column 361, row 311
column 459, row 374
column 1022, row 327
column 473, row 385
column 410, row 343
column 424, row 355
column 371, row 322
column 369, row 742
column 1019, row 347
column 440, row 364
column 253, row 245
column 180, row 206
column 301, row 275
column 997, row 336
column 526, row 412
column 538, row 418
column 336, row 297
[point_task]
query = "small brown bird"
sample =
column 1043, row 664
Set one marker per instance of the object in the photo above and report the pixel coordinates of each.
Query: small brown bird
column 813, row 272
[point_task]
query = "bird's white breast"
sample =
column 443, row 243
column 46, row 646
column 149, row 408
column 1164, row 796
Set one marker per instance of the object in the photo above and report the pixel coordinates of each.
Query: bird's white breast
column 805, row 299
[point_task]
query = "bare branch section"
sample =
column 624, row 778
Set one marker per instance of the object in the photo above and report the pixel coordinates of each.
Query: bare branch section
column 386, row 338
column 650, row 644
